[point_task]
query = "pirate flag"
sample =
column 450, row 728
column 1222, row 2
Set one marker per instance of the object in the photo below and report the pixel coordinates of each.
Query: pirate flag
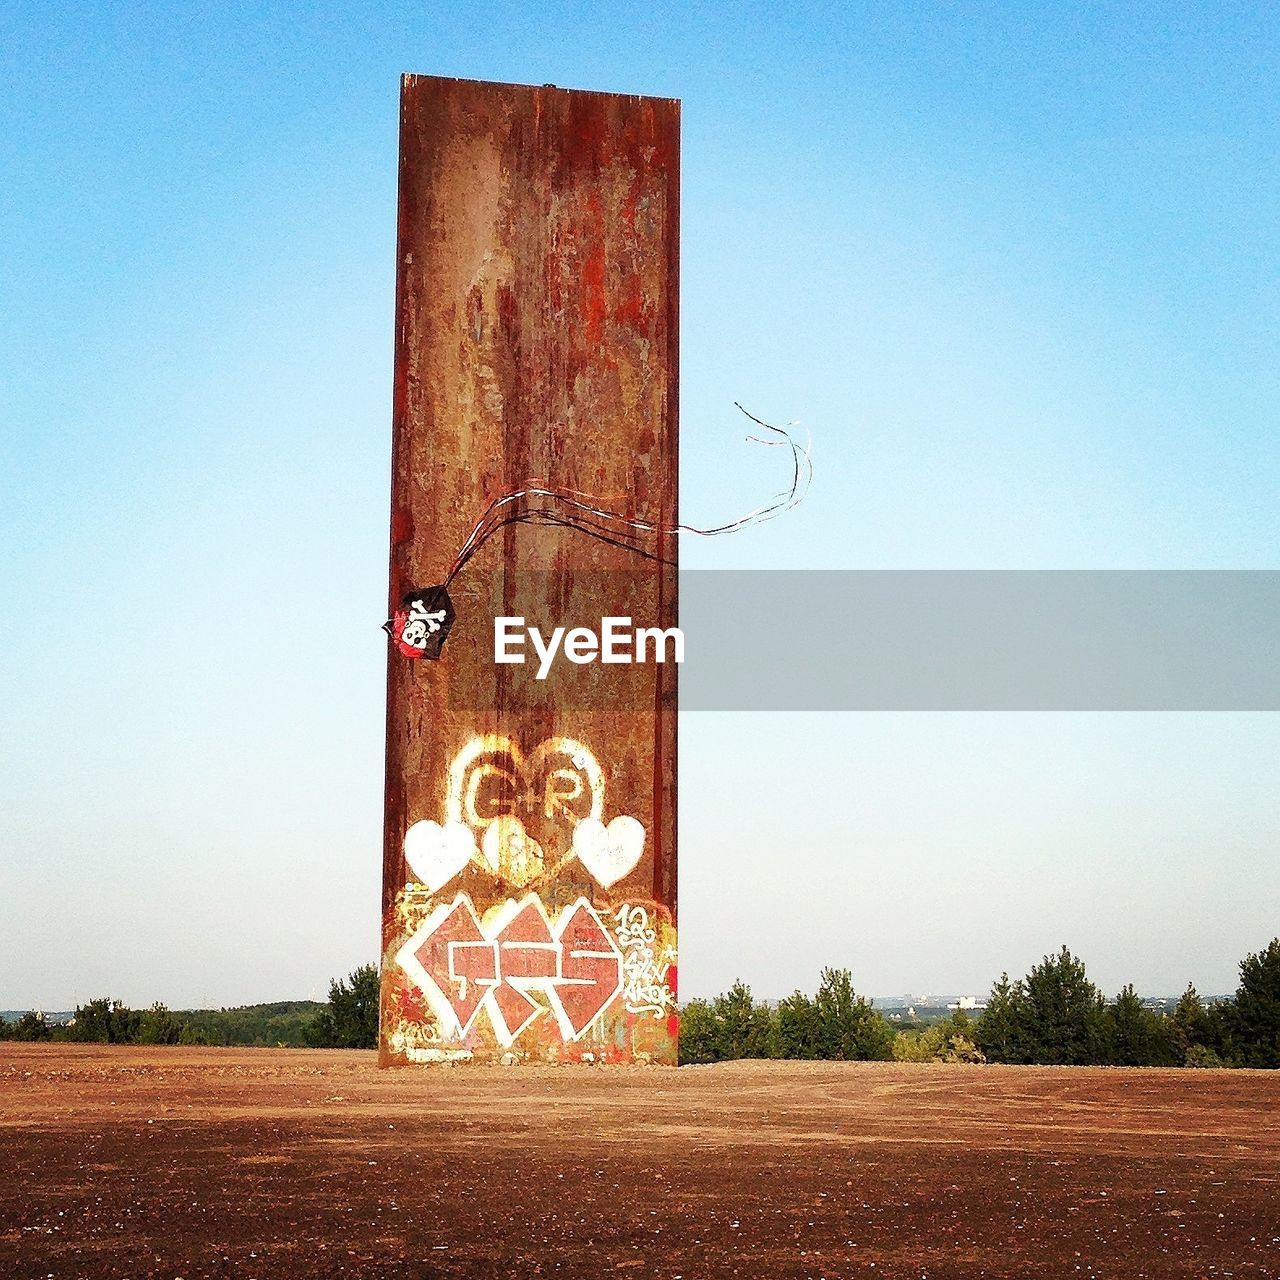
column 420, row 626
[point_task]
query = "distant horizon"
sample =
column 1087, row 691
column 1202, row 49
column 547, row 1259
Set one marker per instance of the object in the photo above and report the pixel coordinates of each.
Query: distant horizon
column 934, row 1001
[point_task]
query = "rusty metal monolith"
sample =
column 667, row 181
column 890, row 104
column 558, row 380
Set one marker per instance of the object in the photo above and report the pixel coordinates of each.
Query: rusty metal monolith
column 529, row 870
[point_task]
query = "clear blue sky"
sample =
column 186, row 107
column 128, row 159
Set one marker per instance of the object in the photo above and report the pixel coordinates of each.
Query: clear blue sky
column 1015, row 266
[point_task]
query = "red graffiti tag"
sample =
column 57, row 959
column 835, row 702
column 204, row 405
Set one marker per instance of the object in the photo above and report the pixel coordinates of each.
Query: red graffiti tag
column 529, row 957
column 457, row 950
column 591, row 965
column 463, row 965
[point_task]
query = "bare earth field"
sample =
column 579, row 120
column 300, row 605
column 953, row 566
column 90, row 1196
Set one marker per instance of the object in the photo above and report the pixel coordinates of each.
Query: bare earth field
column 276, row 1163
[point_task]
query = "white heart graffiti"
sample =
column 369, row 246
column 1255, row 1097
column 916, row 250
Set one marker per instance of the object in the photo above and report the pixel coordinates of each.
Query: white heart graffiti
column 498, row 843
column 436, row 854
column 611, row 852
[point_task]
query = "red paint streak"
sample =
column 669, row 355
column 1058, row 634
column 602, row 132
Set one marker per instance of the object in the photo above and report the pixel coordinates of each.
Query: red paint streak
column 632, row 310
column 673, row 1019
column 401, row 526
column 594, row 297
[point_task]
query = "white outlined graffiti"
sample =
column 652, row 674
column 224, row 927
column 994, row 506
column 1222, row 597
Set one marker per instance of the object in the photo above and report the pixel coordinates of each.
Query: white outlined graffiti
column 490, row 784
column 465, row 965
column 644, row 971
column 495, row 755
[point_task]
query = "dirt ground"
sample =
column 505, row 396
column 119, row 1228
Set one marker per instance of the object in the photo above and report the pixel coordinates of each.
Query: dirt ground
column 280, row 1163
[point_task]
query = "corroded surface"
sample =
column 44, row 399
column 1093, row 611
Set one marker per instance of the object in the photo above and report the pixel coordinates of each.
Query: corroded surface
column 272, row 1163
column 536, row 340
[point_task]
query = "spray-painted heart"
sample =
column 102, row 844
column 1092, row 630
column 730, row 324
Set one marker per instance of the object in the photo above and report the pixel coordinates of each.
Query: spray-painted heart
column 611, row 852
column 436, row 854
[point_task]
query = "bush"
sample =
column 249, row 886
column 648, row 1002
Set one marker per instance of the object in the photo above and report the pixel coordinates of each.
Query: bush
column 837, row 1023
column 158, row 1026
column 951, row 1040
column 105, row 1021
column 351, row 1020
column 698, row 1041
column 31, row 1028
column 1201, row 1056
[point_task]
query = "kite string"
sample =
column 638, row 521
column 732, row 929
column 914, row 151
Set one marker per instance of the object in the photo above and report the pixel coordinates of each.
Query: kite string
column 625, row 531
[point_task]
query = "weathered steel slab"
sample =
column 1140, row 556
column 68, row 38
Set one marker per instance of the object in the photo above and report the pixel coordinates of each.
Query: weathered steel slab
column 536, row 338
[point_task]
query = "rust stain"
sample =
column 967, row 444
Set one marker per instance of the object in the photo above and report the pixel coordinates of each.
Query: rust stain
column 536, row 337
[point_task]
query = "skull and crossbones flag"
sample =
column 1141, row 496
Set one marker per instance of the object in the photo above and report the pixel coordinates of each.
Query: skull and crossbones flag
column 421, row 625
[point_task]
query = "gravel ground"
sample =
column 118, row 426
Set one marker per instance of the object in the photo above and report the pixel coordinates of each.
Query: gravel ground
column 281, row 1163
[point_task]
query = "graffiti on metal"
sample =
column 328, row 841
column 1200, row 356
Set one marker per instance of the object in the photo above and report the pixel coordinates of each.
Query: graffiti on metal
column 519, row 821
column 529, row 843
column 646, row 963
column 494, row 790
column 464, row 964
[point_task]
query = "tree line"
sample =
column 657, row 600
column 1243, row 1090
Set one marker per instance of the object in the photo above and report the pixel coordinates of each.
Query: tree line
column 348, row 1021
column 1053, row 1016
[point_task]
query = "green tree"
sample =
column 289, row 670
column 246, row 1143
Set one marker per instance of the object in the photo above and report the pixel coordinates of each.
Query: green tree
column 698, row 1040
column 284, row 1022
column 1191, row 1028
column 744, row 1029
column 797, row 1027
column 731, row 1026
column 105, row 1021
column 1001, row 1029
column 847, row 1025
column 31, row 1027
column 158, row 1026
column 351, row 1019
column 1253, row 1021
column 1064, row 1013
column 1136, row 1036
